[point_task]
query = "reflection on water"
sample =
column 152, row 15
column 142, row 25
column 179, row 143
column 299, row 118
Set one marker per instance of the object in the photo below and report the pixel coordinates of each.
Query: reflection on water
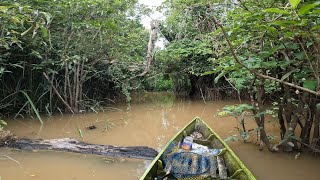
column 151, row 120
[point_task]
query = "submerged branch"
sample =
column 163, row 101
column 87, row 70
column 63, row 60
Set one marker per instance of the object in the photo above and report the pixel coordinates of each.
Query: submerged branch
column 309, row 146
column 8, row 157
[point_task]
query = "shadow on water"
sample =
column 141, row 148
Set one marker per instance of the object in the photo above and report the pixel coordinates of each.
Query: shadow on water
column 150, row 120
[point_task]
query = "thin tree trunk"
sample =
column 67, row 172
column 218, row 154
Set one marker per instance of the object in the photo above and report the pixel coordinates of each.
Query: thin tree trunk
column 51, row 94
column 288, row 105
column 77, row 84
column 69, row 86
column 74, row 85
column 293, row 124
column 58, row 94
column 309, row 117
column 65, row 82
column 316, row 140
column 81, row 85
column 151, row 44
column 281, row 121
column 260, row 119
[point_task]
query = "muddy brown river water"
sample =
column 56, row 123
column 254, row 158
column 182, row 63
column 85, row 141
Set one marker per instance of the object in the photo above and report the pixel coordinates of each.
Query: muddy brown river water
column 151, row 120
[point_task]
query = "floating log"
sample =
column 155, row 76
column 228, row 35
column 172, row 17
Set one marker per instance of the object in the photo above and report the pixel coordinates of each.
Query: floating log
column 222, row 168
column 75, row 146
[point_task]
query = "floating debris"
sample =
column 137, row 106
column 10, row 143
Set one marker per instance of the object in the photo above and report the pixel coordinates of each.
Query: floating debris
column 91, row 127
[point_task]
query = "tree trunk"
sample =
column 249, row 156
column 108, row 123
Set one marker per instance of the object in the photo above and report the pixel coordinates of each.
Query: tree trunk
column 309, row 117
column 287, row 104
column 293, row 124
column 281, row 121
column 77, row 84
column 75, row 146
column 152, row 41
column 261, row 118
column 316, row 135
column 193, row 81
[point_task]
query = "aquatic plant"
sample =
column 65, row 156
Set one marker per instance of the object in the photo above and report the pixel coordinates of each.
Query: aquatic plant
column 2, row 124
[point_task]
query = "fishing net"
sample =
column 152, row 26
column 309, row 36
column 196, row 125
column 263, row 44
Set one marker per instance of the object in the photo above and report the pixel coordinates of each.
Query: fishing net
column 188, row 165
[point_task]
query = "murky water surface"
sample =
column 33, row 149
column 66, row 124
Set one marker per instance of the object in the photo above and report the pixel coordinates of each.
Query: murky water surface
column 151, row 120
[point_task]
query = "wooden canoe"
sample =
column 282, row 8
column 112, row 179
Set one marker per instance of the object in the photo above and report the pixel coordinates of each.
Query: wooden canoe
column 235, row 168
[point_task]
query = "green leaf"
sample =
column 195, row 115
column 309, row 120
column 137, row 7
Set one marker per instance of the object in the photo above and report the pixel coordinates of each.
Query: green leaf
column 285, row 23
column 4, row 9
column 33, row 106
column 270, row 64
column 36, row 54
column 288, row 74
column 44, row 31
column 276, row 10
column 223, row 113
column 299, row 56
column 318, row 106
column 80, row 133
column 219, row 76
column 231, row 138
column 209, row 72
column 315, row 27
column 48, row 17
column 309, row 44
column 27, row 31
column 293, row 137
column 3, row 123
column 310, row 84
column 294, row 3
column 306, row 8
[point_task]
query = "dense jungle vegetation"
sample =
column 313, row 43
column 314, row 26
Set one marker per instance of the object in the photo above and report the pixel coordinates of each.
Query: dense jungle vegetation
column 74, row 56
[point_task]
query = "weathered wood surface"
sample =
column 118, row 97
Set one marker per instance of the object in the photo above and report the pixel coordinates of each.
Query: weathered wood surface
column 222, row 168
column 75, row 146
column 213, row 168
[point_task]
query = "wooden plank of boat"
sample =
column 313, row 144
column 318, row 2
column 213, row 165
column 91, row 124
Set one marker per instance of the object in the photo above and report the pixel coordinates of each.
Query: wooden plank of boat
column 235, row 169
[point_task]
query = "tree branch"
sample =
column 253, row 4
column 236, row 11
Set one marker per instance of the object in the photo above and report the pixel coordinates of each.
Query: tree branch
column 58, row 94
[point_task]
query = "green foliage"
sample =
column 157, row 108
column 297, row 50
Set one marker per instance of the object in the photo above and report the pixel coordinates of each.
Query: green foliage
column 272, row 54
column 235, row 110
column 159, row 82
column 80, row 134
column 163, row 85
column 2, row 124
column 270, row 45
column 189, row 54
column 306, row 8
column 82, row 51
column 294, row 3
column 33, row 106
column 231, row 138
column 240, row 112
column 312, row 85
